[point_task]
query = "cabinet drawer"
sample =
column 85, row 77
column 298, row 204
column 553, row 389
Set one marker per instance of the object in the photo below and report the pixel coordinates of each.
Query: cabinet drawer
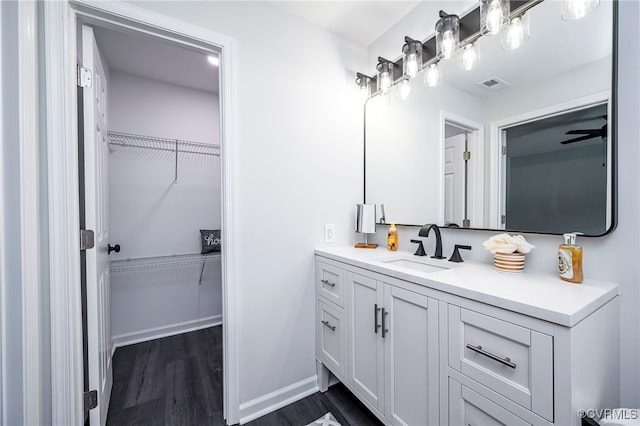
column 514, row 361
column 467, row 407
column 330, row 282
column 331, row 338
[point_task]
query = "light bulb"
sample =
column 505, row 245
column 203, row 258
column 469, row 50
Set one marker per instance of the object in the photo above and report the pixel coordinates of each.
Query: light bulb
column 469, row 57
column 494, row 17
column 404, row 89
column 448, row 44
column 432, row 75
column 412, row 65
column 577, row 9
column 385, row 82
column 515, row 34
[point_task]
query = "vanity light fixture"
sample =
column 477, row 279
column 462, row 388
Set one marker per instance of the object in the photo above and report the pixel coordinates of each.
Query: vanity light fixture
column 516, row 33
column 447, row 34
column 362, row 81
column 411, row 57
column 213, row 60
column 577, row 9
column 469, row 56
column 432, row 75
column 493, row 15
column 385, row 74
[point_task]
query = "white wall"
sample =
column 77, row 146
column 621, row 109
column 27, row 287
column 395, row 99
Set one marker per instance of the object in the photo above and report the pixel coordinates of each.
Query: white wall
column 412, row 186
column 148, row 303
column 150, row 107
column 149, row 214
column 299, row 166
column 613, row 257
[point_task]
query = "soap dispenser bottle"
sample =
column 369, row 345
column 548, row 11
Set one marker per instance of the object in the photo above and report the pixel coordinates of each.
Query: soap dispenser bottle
column 392, row 238
column 570, row 259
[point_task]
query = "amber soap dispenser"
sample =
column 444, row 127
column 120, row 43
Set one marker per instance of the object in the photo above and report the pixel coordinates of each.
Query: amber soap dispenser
column 570, row 259
column 392, row 238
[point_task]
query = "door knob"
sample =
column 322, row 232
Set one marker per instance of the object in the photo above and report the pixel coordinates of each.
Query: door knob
column 115, row 248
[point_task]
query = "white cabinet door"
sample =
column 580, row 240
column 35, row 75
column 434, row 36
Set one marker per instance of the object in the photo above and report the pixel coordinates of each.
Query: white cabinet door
column 366, row 369
column 411, row 357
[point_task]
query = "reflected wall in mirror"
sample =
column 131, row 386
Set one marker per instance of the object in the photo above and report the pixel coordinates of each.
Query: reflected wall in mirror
column 483, row 149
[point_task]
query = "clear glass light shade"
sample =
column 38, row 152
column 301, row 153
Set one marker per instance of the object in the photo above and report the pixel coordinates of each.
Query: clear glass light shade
column 516, row 33
column 432, row 75
column 493, row 15
column 577, row 9
column 404, row 89
column 362, row 83
column 469, row 57
column 411, row 59
column 385, row 76
column 447, row 35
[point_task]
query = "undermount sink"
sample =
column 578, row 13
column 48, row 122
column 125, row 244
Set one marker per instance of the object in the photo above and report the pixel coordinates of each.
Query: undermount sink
column 414, row 264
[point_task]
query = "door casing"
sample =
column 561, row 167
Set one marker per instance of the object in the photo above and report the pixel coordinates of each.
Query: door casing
column 60, row 19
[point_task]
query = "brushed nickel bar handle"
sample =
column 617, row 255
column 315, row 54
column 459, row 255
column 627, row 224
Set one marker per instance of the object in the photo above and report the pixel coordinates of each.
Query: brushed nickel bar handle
column 327, row 282
column 329, row 326
column 376, row 326
column 385, row 330
column 506, row 361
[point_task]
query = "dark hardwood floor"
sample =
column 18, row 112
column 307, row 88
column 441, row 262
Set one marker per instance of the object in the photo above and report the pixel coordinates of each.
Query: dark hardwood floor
column 177, row 380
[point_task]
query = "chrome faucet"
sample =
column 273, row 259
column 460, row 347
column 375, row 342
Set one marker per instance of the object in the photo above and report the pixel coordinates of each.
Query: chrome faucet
column 424, row 232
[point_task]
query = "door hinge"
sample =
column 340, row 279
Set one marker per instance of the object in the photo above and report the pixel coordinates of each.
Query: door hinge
column 504, row 150
column 87, row 240
column 85, row 77
column 503, row 219
column 466, row 156
column 90, row 400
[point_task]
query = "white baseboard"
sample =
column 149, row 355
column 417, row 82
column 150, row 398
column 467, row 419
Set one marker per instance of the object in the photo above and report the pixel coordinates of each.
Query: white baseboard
column 169, row 330
column 277, row 399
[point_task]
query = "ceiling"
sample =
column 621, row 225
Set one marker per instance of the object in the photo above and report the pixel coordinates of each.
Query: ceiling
column 151, row 57
column 361, row 22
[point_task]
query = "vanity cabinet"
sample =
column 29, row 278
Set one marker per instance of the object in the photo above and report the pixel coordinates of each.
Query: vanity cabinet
column 391, row 343
column 465, row 346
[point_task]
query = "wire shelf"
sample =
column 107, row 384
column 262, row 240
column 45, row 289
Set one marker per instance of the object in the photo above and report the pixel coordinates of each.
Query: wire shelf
column 162, row 144
column 137, row 264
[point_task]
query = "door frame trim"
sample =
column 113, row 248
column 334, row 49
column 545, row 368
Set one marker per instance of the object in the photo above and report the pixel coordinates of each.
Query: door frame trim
column 497, row 169
column 60, row 60
column 30, row 204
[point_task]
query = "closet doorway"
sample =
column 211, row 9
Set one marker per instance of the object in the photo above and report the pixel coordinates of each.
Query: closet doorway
column 149, row 140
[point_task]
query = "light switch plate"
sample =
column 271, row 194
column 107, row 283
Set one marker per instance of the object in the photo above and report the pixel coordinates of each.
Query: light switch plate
column 329, row 233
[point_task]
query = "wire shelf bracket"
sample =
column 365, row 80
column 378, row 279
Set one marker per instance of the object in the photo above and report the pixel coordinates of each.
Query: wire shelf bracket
column 175, row 146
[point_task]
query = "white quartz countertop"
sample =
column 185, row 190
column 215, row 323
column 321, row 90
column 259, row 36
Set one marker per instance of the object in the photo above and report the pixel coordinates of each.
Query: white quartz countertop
column 538, row 295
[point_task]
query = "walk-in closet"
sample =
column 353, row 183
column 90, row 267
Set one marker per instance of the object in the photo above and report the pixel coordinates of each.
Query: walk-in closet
column 159, row 333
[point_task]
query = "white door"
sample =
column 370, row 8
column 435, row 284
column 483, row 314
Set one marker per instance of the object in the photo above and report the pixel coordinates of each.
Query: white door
column 367, row 351
column 411, row 358
column 96, row 153
column 454, row 179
